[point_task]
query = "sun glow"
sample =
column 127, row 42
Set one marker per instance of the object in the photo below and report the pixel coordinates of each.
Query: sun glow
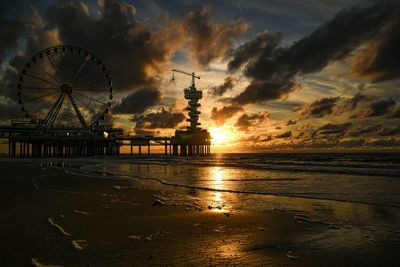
column 221, row 136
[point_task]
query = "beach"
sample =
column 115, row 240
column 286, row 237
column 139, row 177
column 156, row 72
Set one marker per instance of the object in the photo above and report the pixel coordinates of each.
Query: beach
column 61, row 213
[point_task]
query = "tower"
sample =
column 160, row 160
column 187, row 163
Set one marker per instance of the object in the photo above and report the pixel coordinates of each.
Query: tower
column 193, row 96
column 194, row 140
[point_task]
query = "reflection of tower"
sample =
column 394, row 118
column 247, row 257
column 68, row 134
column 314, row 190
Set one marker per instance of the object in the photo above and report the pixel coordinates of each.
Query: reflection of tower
column 193, row 95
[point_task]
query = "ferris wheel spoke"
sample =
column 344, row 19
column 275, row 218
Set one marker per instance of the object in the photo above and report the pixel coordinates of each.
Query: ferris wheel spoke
column 41, row 88
column 78, row 88
column 87, row 107
column 54, row 111
column 79, row 70
column 54, row 67
column 46, row 72
column 91, row 98
column 78, row 113
column 39, row 97
column 92, row 72
column 46, row 104
column 40, row 79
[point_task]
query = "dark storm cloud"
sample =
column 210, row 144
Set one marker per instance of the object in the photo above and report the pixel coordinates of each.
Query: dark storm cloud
column 207, row 39
column 135, row 53
column 129, row 49
column 335, row 40
column 334, row 129
column 10, row 32
column 37, row 37
column 389, row 131
column 245, row 121
column 228, row 85
column 378, row 108
column 391, row 142
column 319, row 108
column 265, row 43
column 356, row 99
column 332, row 106
column 352, row 143
column 395, row 114
column 219, row 116
column 162, row 119
column 260, row 91
column 138, row 101
column 284, row 135
column 366, row 130
column 379, row 60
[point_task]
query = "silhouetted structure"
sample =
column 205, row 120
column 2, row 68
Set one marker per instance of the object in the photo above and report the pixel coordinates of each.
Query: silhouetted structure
column 194, row 140
column 65, row 92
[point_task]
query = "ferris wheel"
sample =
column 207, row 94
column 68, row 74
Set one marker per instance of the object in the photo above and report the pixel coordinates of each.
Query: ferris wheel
column 65, row 86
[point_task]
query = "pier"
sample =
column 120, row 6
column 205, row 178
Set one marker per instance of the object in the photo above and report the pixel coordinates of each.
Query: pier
column 64, row 114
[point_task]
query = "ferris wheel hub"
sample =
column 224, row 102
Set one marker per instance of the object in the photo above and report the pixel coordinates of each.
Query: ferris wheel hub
column 66, row 89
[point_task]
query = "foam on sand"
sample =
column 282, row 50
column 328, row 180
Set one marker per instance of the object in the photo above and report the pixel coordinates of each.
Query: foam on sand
column 79, row 244
column 81, row 212
column 35, row 262
column 60, row 228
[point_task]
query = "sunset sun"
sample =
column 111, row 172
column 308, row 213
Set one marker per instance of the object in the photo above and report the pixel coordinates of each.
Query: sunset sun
column 221, row 135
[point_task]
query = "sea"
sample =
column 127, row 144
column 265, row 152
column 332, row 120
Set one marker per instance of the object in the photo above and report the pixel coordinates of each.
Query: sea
column 340, row 189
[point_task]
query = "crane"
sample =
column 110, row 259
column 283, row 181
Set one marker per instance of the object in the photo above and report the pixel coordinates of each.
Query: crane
column 187, row 73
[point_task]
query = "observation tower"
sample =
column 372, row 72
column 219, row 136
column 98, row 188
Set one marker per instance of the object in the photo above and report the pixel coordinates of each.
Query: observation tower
column 194, row 140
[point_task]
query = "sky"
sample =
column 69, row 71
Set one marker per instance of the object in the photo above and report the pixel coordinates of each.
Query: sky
column 307, row 75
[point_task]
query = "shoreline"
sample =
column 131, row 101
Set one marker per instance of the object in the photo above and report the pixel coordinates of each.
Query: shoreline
column 115, row 222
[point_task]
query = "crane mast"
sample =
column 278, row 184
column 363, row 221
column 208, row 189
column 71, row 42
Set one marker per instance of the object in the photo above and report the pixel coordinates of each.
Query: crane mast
column 187, row 73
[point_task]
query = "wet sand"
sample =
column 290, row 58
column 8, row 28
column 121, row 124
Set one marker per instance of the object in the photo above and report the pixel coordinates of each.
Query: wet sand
column 50, row 217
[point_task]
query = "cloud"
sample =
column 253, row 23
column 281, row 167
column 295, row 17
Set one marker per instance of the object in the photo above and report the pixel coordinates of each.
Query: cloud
column 334, row 129
column 219, row 116
column 356, row 99
column 389, row 131
column 284, row 135
column 366, row 130
column 261, row 91
column 228, row 85
column 377, row 108
column 37, row 36
column 291, row 122
column 265, row 43
column 138, row 101
column 352, row 143
column 395, row 114
column 334, row 40
column 131, row 51
column 378, row 60
column 332, row 105
column 390, row 142
column 135, row 53
column 10, row 32
column 319, row 108
column 245, row 121
column 207, row 39
column 163, row 119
